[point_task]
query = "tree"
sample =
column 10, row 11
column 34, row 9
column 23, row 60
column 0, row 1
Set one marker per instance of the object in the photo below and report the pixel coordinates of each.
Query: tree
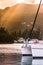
column 19, row 33
column 36, row 33
column 25, row 34
column 15, row 35
column 5, row 36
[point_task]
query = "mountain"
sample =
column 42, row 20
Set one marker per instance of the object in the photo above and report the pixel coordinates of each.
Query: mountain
column 21, row 16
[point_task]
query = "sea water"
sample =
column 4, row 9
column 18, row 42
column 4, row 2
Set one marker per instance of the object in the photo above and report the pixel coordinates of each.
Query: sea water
column 11, row 59
column 10, row 54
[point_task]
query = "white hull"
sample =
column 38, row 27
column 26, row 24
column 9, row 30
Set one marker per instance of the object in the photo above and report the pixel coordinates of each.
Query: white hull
column 36, row 50
column 26, row 50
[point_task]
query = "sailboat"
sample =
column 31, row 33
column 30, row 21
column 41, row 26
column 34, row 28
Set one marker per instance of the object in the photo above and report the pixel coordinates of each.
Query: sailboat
column 35, row 49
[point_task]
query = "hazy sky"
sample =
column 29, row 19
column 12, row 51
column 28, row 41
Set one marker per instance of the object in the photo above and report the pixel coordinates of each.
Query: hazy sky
column 6, row 3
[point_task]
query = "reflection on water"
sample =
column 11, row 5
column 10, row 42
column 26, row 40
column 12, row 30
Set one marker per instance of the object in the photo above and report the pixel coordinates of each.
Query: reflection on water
column 37, row 62
column 10, row 59
column 26, row 60
column 16, row 59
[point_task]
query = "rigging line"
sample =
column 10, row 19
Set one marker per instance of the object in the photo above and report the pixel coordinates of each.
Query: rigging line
column 35, row 19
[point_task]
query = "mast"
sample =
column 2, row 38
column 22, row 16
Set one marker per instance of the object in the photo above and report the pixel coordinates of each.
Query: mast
column 35, row 19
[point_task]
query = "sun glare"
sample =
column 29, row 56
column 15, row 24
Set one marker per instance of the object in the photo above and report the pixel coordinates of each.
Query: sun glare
column 7, row 3
column 19, row 1
column 38, row 1
column 29, row 1
column 25, row 1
